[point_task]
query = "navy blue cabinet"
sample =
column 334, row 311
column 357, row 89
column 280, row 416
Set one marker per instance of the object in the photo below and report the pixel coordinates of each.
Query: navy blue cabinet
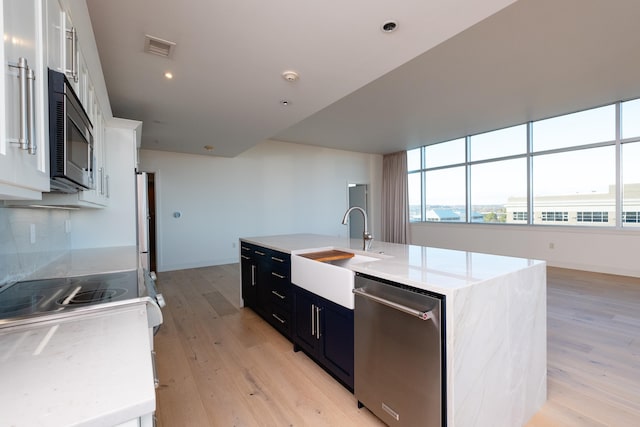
column 324, row 330
column 249, row 275
column 266, row 284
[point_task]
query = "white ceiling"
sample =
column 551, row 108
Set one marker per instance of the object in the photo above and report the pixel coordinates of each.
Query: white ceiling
column 437, row 77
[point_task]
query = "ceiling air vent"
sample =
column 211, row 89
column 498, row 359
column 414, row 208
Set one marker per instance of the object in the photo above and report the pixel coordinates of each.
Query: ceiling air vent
column 158, row 46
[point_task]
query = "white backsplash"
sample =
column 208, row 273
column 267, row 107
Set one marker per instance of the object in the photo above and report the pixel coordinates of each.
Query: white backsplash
column 31, row 239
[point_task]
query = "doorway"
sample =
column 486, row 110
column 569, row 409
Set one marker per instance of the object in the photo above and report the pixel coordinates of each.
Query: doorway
column 358, row 194
column 151, row 196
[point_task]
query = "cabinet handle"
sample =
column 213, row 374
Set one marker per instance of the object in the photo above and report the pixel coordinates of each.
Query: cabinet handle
column 253, row 275
column 102, row 181
column 317, row 322
column 278, row 295
column 107, row 181
column 73, row 36
column 244, row 248
column 279, row 276
column 23, row 98
column 278, row 318
column 244, row 257
column 156, row 381
column 31, row 108
column 313, row 320
column 277, row 259
column 260, row 253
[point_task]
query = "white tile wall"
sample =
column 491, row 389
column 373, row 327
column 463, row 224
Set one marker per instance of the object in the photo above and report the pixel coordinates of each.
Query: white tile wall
column 22, row 252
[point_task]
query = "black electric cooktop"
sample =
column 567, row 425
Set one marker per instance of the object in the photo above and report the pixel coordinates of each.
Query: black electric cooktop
column 58, row 294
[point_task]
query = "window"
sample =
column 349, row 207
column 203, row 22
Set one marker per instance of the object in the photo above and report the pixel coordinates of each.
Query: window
column 593, row 217
column 630, row 181
column 630, row 112
column 493, row 185
column 554, row 216
column 574, row 178
column 445, row 195
column 445, row 153
column 631, row 217
column 582, row 128
column 520, row 216
column 414, row 162
column 561, row 171
column 499, row 143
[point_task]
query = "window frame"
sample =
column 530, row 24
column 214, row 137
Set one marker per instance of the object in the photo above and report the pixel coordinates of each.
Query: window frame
column 530, row 155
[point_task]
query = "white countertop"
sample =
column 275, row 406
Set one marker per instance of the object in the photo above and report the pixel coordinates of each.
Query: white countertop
column 77, row 372
column 434, row 269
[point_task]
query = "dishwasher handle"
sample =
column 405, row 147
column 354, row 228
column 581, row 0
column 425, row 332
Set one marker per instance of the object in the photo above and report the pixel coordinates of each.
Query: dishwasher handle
column 422, row 315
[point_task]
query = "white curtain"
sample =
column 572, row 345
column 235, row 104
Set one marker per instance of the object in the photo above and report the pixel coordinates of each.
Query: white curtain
column 395, row 198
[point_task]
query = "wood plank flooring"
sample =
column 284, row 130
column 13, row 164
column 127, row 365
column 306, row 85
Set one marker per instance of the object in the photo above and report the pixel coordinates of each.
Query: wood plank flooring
column 222, row 365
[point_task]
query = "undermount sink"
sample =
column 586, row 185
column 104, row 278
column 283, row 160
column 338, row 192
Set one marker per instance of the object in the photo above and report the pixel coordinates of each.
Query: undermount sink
column 331, row 279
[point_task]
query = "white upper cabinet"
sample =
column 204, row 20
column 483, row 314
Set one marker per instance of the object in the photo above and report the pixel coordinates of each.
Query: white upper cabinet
column 24, row 169
column 56, row 36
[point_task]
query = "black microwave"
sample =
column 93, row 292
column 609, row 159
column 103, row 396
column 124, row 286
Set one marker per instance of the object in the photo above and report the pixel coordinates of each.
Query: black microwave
column 71, row 156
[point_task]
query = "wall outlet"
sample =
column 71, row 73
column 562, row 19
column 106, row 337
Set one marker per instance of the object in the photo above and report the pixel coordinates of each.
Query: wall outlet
column 552, row 245
column 233, row 245
column 32, row 233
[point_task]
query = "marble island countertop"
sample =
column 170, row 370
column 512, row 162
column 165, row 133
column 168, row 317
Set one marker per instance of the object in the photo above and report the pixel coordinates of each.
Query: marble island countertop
column 435, row 269
column 495, row 320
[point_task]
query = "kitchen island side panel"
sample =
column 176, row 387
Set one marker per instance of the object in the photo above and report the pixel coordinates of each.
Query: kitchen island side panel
column 496, row 347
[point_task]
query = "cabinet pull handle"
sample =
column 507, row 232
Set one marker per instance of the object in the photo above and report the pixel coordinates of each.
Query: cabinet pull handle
column 260, row 253
column 31, row 108
column 317, row 322
column 278, row 318
column 102, row 181
column 253, row 275
column 156, row 380
column 107, row 181
column 277, row 259
column 244, row 257
column 279, row 276
column 244, row 248
column 73, row 36
column 313, row 320
column 278, row 295
column 23, row 100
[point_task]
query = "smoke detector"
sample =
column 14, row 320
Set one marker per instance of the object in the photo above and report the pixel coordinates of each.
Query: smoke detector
column 158, row 46
column 290, row 76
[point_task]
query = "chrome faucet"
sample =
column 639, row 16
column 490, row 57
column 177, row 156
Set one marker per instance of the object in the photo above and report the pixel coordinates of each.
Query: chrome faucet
column 366, row 236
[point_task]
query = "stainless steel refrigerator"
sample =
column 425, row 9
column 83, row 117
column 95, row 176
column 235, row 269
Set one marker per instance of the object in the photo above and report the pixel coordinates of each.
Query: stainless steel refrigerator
column 143, row 219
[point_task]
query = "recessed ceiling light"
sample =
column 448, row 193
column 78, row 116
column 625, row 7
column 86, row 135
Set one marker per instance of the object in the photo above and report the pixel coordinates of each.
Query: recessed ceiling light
column 285, row 103
column 168, row 75
column 389, row 26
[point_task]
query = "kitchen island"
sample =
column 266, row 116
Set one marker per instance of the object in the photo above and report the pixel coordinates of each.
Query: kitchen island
column 495, row 321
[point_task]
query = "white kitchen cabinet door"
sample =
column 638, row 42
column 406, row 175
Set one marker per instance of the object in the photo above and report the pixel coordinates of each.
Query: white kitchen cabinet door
column 70, row 53
column 56, row 36
column 98, row 195
column 24, row 173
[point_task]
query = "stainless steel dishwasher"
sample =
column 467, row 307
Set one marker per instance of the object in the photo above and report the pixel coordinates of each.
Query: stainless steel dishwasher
column 399, row 353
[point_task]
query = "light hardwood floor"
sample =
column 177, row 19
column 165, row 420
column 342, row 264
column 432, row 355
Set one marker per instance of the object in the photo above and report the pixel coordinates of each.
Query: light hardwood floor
column 222, row 365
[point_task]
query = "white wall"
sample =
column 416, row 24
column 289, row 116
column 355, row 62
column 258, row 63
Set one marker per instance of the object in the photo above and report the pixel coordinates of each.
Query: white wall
column 273, row 188
column 581, row 248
